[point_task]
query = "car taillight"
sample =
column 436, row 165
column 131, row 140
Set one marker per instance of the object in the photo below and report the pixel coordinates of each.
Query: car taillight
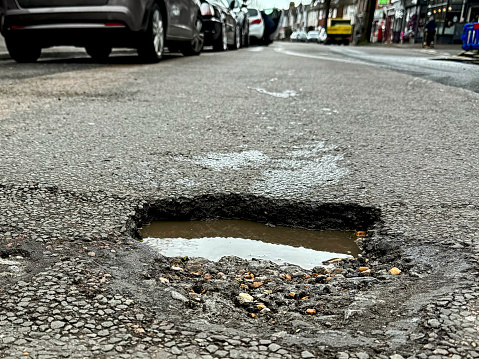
column 256, row 21
column 114, row 24
column 207, row 10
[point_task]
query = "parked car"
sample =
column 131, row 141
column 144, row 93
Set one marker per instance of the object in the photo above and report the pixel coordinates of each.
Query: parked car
column 322, row 36
column 99, row 25
column 256, row 25
column 294, row 36
column 219, row 25
column 298, row 36
column 312, row 36
column 241, row 12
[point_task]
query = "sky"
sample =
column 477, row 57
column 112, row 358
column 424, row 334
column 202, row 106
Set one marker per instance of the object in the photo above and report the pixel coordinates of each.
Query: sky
column 280, row 4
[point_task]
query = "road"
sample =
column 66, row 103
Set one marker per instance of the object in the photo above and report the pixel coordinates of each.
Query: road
column 289, row 132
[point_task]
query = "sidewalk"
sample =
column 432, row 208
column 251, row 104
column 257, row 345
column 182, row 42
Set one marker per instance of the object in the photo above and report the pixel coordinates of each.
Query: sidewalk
column 445, row 52
column 453, row 49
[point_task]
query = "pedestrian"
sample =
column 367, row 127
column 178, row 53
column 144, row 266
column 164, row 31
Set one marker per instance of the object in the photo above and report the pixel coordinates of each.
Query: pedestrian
column 430, row 32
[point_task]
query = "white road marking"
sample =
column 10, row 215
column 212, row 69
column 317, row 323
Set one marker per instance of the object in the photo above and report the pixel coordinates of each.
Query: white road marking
column 284, row 94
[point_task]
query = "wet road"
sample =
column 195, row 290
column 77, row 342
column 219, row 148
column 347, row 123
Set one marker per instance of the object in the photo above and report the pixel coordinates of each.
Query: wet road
column 430, row 64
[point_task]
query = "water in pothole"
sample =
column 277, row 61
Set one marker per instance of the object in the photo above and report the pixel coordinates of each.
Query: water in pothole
column 248, row 240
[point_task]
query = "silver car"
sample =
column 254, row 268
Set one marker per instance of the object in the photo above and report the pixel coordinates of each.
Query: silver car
column 99, row 25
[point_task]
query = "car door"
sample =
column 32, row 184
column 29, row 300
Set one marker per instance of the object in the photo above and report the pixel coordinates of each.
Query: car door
column 230, row 21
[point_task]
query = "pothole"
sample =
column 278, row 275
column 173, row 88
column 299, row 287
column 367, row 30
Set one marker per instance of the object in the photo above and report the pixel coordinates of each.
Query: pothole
column 249, row 240
column 283, row 231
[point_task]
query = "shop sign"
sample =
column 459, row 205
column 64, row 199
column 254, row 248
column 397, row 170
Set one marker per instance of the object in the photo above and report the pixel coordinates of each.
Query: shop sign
column 383, row 2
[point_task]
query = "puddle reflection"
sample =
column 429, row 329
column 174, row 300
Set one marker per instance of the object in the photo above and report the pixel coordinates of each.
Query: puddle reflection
column 215, row 239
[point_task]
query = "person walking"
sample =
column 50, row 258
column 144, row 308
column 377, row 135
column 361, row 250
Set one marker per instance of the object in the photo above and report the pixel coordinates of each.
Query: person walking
column 430, row 32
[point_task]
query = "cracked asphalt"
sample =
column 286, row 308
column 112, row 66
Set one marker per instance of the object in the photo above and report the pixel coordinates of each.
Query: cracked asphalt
column 88, row 152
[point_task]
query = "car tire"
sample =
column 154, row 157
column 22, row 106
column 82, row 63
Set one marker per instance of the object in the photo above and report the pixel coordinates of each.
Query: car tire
column 152, row 44
column 196, row 45
column 245, row 38
column 237, row 39
column 23, row 51
column 99, row 53
column 221, row 43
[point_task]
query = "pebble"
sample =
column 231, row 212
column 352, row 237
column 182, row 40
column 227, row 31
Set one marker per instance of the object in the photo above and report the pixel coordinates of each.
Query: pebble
column 57, row 324
column 8, row 340
column 212, row 348
column 175, row 351
column 434, row 323
column 274, row 347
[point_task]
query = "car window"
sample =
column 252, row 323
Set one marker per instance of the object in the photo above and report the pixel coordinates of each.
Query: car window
column 340, row 22
column 252, row 12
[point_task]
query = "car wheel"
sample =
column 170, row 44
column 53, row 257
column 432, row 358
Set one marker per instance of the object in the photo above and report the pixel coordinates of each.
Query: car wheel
column 98, row 53
column 237, row 44
column 22, row 51
column 196, row 45
column 246, row 39
column 221, row 44
column 153, row 42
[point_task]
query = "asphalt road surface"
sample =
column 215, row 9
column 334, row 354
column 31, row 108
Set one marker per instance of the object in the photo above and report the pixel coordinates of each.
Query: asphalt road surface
column 86, row 148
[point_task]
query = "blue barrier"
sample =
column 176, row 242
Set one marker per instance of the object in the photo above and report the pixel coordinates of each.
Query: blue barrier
column 470, row 36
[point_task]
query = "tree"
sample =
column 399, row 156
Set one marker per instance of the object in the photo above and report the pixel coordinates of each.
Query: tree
column 327, row 7
column 367, row 25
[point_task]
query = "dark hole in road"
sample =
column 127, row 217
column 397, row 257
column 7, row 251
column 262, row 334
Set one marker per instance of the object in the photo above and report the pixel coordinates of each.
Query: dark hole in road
column 274, row 212
column 249, row 240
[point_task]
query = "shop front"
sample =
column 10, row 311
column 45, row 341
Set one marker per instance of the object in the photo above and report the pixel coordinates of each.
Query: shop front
column 410, row 25
column 377, row 32
column 449, row 16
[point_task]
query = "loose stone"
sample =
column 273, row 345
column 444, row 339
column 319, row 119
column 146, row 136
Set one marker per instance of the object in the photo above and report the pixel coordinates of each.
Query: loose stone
column 274, row 347
column 57, row 324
